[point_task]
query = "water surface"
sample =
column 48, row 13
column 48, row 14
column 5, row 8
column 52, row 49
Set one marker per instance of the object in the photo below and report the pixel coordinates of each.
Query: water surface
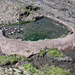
column 44, row 28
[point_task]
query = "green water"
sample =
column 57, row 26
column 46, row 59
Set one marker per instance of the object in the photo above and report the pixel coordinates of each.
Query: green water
column 44, row 28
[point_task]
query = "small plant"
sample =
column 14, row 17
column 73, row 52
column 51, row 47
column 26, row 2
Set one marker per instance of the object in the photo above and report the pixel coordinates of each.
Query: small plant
column 7, row 58
column 55, row 53
column 32, row 69
column 55, row 70
column 13, row 58
column 42, row 52
column 0, row 24
column 22, row 22
column 47, row 70
column 28, row 51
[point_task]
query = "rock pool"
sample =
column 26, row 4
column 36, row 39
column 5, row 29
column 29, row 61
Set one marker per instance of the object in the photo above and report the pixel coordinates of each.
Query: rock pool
column 44, row 28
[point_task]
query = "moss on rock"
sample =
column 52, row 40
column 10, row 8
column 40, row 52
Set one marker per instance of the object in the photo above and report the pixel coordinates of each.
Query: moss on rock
column 41, row 53
column 32, row 69
column 12, row 58
column 55, row 70
column 47, row 70
column 55, row 53
column 52, row 52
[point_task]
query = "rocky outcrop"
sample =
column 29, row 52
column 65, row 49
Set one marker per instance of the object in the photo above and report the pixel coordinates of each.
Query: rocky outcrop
column 9, row 12
column 12, row 12
column 61, row 9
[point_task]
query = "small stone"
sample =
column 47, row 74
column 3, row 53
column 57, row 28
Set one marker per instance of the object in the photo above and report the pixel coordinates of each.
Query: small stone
column 17, row 70
column 10, row 69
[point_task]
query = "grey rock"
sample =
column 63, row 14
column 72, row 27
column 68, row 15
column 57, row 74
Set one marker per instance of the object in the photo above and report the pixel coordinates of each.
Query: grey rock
column 66, row 58
column 9, row 71
column 9, row 12
column 12, row 12
column 6, row 62
column 62, row 9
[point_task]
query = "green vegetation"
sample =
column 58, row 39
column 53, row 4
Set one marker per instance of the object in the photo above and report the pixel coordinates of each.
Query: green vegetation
column 13, row 58
column 52, row 52
column 0, row 24
column 32, row 69
column 44, row 29
column 21, row 22
column 41, row 53
column 8, row 58
column 47, row 70
column 54, row 70
column 28, row 51
column 55, row 53
column 35, row 35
